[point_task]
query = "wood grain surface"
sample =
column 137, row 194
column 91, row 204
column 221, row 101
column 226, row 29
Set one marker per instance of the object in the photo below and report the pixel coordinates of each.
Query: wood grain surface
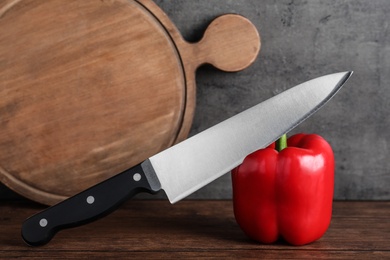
column 91, row 88
column 144, row 229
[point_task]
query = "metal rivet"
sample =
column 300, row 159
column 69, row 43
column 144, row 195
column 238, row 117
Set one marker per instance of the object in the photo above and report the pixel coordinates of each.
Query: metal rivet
column 137, row 177
column 90, row 199
column 43, row 222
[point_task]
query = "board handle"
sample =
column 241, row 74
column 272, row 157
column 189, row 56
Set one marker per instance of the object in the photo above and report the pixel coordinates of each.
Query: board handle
column 231, row 43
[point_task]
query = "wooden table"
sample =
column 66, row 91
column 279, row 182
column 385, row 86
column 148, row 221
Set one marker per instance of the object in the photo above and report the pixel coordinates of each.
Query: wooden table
column 143, row 229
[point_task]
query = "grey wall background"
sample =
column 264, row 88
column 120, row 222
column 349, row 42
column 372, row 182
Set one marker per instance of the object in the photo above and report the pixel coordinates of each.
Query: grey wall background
column 302, row 40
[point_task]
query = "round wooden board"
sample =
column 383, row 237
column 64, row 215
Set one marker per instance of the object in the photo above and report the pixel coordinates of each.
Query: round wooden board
column 90, row 88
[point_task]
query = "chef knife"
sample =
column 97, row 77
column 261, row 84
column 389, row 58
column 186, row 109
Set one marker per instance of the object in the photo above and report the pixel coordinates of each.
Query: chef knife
column 186, row 167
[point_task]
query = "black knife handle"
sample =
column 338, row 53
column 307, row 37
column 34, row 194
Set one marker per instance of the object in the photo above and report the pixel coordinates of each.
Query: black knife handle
column 85, row 207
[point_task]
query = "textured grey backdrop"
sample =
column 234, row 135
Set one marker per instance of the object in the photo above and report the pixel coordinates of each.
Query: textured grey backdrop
column 302, row 40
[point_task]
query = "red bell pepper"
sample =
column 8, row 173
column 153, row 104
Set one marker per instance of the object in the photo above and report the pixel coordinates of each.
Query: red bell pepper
column 286, row 194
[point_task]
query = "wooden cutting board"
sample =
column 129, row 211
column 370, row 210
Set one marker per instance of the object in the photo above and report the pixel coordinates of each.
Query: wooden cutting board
column 90, row 88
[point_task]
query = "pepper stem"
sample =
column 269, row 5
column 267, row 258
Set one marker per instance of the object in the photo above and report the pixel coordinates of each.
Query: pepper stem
column 281, row 143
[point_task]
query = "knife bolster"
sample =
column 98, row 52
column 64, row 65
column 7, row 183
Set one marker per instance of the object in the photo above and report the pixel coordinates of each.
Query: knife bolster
column 151, row 175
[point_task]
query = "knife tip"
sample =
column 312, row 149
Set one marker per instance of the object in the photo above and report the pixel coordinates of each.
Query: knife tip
column 345, row 77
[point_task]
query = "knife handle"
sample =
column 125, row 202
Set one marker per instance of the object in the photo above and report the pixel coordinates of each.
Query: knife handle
column 85, row 207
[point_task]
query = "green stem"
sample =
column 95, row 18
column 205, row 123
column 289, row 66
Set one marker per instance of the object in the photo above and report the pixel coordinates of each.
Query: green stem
column 281, row 143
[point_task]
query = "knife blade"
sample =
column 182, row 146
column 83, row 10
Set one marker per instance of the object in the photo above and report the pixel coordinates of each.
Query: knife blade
column 186, row 167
